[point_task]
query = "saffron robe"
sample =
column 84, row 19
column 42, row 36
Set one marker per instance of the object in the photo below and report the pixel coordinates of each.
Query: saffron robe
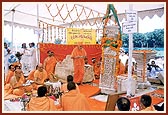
column 150, row 108
column 13, row 86
column 49, row 65
column 41, row 104
column 31, row 75
column 97, row 70
column 121, row 69
column 65, row 90
column 79, row 64
column 39, row 78
column 74, row 101
column 9, row 76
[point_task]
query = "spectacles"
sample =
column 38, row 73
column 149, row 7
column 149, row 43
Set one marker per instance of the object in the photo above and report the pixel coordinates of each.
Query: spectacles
column 18, row 67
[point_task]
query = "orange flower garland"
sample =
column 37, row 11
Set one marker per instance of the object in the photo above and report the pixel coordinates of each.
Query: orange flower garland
column 111, row 42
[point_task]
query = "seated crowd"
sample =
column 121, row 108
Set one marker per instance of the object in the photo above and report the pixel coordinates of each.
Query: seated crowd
column 71, row 97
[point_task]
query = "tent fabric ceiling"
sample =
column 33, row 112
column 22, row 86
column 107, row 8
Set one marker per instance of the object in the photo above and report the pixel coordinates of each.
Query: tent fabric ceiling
column 25, row 14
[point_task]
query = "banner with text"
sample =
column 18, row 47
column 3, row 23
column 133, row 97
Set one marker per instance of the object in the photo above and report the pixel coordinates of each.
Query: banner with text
column 75, row 35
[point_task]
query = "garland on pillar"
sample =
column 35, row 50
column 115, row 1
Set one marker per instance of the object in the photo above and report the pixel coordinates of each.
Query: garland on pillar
column 113, row 43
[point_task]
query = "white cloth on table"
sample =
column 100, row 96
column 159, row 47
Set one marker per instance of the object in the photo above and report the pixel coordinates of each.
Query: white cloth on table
column 12, row 106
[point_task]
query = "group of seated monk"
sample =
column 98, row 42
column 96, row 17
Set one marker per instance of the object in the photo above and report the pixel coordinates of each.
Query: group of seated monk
column 14, row 84
column 70, row 96
column 11, row 70
column 45, row 103
column 71, row 99
column 41, row 102
column 15, row 80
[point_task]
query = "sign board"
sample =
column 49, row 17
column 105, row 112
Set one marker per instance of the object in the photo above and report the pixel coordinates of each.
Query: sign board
column 131, row 15
column 129, row 27
column 112, row 31
column 75, row 35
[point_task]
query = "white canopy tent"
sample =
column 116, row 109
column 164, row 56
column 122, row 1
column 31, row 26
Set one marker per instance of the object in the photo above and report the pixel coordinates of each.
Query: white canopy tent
column 25, row 14
column 65, row 15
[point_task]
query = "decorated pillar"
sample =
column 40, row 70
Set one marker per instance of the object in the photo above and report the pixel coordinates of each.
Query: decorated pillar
column 110, row 59
column 111, row 43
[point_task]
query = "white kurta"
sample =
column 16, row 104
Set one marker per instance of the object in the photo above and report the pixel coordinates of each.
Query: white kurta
column 32, row 58
column 25, row 61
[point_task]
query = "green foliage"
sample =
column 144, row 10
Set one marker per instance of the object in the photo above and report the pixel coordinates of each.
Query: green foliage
column 149, row 39
column 125, row 40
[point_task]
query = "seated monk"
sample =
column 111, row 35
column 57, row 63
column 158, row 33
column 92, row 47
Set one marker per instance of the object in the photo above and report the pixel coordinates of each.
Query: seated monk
column 16, row 84
column 64, row 86
column 9, row 74
column 74, row 101
column 41, row 102
column 40, row 75
column 146, row 103
column 13, row 86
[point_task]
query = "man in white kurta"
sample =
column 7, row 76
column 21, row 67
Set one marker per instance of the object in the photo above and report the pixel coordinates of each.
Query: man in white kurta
column 32, row 56
column 26, row 68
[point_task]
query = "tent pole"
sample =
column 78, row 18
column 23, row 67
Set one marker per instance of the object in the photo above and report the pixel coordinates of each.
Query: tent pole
column 38, row 35
column 130, row 50
column 13, row 11
column 130, row 82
